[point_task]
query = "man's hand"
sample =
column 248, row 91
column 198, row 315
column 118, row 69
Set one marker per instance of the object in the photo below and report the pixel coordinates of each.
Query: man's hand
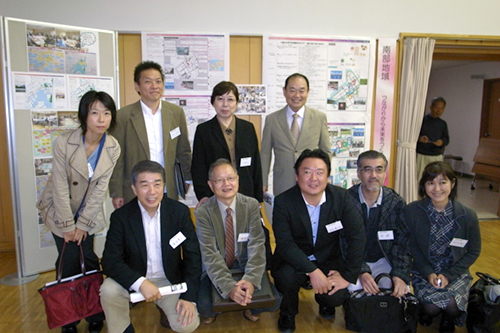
column 337, row 281
column 264, row 189
column 368, row 283
column 320, row 282
column 117, row 202
column 438, row 143
column 424, row 139
column 399, row 287
column 150, row 291
column 79, row 236
column 242, row 292
column 202, row 201
column 186, row 311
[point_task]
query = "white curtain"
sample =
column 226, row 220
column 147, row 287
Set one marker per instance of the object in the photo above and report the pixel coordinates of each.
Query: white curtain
column 417, row 60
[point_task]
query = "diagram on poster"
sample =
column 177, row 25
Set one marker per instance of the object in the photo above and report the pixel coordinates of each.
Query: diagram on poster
column 39, row 91
column 347, row 141
column 195, row 62
column 340, row 77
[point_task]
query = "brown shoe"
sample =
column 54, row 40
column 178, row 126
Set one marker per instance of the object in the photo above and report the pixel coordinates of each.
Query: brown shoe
column 163, row 318
column 249, row 316
column 207, row 320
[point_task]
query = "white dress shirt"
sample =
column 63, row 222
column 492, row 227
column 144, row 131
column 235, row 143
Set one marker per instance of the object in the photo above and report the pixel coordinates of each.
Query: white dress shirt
column 154, row 129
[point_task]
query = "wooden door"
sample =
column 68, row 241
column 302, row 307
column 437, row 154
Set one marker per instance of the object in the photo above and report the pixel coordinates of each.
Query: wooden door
column 490, row 116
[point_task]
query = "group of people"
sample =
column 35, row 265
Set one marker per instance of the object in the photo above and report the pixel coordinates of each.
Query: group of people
column 334, row 240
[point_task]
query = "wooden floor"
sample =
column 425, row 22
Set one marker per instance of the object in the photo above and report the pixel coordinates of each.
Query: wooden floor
column 21, row 308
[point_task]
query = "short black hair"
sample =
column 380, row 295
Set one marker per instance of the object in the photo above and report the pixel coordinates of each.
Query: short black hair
column 219, row 162
column 297, row 75
column 434, row 169
column 222, row 88
column 88, row 100
column 371, row 155
column 316, row 153
column 438, row 99
column 144, row 66
column 147, row 166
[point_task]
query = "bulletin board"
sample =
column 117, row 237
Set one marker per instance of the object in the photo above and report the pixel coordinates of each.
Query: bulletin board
column 49, row 67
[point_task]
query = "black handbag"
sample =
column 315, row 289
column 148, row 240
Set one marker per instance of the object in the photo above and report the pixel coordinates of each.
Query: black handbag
column 483, row 313
column 381, row 313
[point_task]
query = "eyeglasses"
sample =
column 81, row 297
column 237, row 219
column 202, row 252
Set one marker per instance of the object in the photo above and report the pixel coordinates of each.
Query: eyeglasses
column 378, row 170
column 221, row 181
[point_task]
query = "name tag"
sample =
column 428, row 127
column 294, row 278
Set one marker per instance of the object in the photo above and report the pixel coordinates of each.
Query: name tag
column 177, row 240
column 245, row 161
column 337, row 225
column 243, row 237
column 91, row 171
column 175, row 133
column 458, row 242
column 386, row 235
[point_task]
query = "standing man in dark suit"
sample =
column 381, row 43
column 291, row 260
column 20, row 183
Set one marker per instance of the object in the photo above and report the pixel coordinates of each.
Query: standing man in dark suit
column 387, row 236
column 289, row 131
column 307, row 222
column 151, row 243
column 226, row 136
column 150, row 129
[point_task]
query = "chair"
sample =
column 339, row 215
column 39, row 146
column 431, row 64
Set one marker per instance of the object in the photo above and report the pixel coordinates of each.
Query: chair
column 457, row 159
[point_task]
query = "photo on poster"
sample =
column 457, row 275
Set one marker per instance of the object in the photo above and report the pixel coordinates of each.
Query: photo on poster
column 43, row 119
column 253, row 99
column 68, row 119
column 43, row 167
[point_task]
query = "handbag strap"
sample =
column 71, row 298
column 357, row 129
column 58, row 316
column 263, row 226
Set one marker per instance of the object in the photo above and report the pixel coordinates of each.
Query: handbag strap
column 60, row 263
column 488, row 278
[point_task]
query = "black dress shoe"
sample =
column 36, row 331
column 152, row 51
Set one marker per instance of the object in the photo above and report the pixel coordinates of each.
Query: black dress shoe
column 69, row 329
column 95, row 326
column 326, row 312
column 447, row 324
column 286, row 324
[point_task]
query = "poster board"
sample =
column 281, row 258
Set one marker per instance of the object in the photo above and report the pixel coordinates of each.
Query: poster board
column 49, row 66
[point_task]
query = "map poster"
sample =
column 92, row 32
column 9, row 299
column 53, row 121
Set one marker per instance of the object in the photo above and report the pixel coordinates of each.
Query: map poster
column 190, row 62
column 253, row 99
column 197, row 109
column 79, row 85
column 57, row 49
column 40, row 91
column 340, row 70
column 347, row 141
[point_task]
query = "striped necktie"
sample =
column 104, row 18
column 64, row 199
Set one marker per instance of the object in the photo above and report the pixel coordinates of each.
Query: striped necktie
column 229, row 239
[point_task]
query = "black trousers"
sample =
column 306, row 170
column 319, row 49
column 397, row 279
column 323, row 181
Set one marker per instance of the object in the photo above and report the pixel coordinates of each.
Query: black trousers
column 71, row 263
column 288, row 282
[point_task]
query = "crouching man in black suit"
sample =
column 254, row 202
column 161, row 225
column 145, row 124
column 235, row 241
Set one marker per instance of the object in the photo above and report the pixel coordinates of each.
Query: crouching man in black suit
column 307, row 221
column 151, row 243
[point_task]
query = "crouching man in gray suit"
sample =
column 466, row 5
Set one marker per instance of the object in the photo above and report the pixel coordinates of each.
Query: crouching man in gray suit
column 151, row 243
column 231, row 239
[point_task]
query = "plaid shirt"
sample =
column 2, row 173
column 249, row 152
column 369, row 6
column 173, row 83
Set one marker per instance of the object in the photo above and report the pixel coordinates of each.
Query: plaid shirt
column 396, row 251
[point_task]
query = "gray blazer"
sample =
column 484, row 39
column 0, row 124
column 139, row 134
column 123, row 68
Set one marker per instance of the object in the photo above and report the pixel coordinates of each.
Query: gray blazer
column 68, row 184
column 131, row 133
column 277, row 136
column 251, row 255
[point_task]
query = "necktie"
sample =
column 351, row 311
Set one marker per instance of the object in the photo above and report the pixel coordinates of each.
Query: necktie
column 229, row 239
column 295, row 128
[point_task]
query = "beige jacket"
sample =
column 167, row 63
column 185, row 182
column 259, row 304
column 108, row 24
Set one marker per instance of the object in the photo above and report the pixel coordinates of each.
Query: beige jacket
column 68, row 184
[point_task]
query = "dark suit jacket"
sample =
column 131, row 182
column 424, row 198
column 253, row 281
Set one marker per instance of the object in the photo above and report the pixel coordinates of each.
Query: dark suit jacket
column 131, row 133
column 293, row 233
column 125, row 257
column 466, row 227
column 210, row 145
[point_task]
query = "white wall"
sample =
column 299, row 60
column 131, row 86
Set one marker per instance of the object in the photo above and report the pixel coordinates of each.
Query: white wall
column 464, row 97
column 381, row 18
